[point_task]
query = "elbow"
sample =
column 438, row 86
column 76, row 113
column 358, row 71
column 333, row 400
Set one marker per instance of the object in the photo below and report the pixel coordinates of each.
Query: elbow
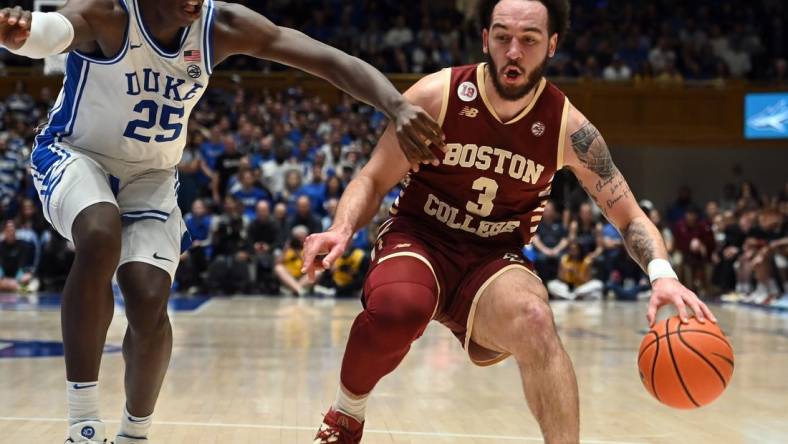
column 374, row 186
column 636, row 220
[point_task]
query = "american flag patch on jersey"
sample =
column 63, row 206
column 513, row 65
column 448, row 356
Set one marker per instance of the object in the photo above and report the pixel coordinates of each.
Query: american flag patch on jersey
column 192, row 55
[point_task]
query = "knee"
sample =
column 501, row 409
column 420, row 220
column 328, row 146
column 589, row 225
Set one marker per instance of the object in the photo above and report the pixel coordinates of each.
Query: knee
column 146, row 312
column 97, row 234
column 146, row 291
column 401, row 310
column 534, row 329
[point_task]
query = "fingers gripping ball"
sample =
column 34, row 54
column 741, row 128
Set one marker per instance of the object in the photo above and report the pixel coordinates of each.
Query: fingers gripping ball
column 685, row 366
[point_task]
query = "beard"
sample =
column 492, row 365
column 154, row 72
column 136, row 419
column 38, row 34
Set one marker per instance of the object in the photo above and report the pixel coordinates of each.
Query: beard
column 517, row 92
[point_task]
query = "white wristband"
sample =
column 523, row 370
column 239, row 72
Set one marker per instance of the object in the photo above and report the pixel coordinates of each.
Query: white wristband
column 660, row 268
column 50, row 33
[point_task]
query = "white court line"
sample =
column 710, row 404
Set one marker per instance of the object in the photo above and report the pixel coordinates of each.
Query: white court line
column 385, row 432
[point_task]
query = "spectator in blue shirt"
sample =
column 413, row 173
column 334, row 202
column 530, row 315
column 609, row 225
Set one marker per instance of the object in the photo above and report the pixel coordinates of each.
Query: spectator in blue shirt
column 316, row 190
column 194, row 262
column 213, row 148
column 250, row 193
column 199, row 223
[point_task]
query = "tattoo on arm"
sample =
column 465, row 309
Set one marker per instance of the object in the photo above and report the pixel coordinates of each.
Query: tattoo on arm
column 592, row 151
column 640, row 241
column 601, row 207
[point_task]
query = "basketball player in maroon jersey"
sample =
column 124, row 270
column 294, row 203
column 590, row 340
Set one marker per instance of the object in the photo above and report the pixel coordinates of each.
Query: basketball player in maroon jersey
column 452, row 248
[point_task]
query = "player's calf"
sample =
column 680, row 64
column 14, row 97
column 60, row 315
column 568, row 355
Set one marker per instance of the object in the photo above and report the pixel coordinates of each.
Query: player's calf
column 87, row 308
column 549, row 382
column 146, row 347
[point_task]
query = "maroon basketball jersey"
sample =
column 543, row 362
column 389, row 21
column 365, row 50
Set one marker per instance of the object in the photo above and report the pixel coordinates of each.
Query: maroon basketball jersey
column 493, row 183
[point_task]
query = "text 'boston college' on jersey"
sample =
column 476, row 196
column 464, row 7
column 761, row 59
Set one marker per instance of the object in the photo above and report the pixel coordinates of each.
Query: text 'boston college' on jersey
column 130, row 112
column 494, row 181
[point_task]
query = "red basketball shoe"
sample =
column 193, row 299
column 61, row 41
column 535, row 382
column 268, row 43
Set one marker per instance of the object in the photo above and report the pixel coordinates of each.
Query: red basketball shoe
column 339, row 428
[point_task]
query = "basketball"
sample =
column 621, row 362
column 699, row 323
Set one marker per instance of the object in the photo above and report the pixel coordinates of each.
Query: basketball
column 685, row 366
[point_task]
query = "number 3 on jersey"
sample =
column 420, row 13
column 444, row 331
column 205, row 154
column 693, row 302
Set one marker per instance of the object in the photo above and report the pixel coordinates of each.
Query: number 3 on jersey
column 150, row 109
column 484, row 205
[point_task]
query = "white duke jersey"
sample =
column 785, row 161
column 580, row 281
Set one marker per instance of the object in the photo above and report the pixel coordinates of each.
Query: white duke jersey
column 130, row 112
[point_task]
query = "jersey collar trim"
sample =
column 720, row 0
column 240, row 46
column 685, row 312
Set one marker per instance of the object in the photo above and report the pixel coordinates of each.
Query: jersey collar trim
column 123, row 50
column 152, row 41
column 483, row 93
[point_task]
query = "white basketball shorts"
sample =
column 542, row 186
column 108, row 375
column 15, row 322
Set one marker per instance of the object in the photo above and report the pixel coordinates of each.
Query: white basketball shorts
column 69, row 181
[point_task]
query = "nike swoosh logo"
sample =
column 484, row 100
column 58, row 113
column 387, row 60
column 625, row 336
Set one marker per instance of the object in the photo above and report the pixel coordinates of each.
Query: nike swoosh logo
column 156, row 256
column 134, row 420
column 80, row 387
column 135, row 46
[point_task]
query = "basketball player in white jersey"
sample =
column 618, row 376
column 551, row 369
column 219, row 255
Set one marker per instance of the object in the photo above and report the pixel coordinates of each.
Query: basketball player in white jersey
column 104, row 165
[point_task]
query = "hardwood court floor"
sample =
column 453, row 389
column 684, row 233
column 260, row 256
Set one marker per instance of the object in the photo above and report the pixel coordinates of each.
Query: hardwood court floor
column 262, row 370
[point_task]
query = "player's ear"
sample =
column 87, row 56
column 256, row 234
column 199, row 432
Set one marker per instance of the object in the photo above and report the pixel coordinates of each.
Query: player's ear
column 553, row 45
column 485, row 41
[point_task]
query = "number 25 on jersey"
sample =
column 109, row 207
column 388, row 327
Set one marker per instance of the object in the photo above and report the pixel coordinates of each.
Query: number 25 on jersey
column 169, row 123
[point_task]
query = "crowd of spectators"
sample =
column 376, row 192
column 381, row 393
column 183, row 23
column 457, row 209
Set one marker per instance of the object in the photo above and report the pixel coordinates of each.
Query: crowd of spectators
column 734, row 248
column 263, row 170
column 259, row 173
column 668, row 41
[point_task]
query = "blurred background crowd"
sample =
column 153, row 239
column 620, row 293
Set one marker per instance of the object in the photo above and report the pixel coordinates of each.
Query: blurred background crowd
column 662, row 40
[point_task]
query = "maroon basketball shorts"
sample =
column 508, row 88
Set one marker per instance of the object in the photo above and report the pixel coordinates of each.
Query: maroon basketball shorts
column 462, row 273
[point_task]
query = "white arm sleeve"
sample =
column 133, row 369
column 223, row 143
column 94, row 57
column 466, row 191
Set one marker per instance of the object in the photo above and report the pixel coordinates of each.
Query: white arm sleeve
column 50, row 33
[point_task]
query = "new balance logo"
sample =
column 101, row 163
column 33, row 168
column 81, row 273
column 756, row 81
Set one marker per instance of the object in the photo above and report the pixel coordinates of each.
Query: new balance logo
column 513, row 257
column 468, row 111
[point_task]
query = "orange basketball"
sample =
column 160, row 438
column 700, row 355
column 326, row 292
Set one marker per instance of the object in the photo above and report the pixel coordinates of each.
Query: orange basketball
column 685, row 366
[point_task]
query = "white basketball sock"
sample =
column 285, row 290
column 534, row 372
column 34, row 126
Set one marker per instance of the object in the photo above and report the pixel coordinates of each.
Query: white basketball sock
column 83, row 401
column 351, row 405
column 134, row 426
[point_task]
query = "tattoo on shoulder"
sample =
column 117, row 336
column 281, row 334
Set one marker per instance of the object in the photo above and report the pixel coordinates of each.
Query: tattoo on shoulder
column 592, row 151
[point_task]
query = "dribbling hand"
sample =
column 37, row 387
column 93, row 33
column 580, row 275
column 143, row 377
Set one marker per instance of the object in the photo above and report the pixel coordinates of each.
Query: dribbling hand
column 416, row 131
column 332, row 244
column 671, row 291
column 14, row 27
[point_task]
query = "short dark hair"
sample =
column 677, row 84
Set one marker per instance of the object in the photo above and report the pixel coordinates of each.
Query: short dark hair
column 558, row 12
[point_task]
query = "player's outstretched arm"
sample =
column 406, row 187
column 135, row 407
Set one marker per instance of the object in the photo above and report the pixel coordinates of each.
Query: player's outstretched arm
column 363, row 196
column 242, row 31
column 40, row 34
column 588, row 156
